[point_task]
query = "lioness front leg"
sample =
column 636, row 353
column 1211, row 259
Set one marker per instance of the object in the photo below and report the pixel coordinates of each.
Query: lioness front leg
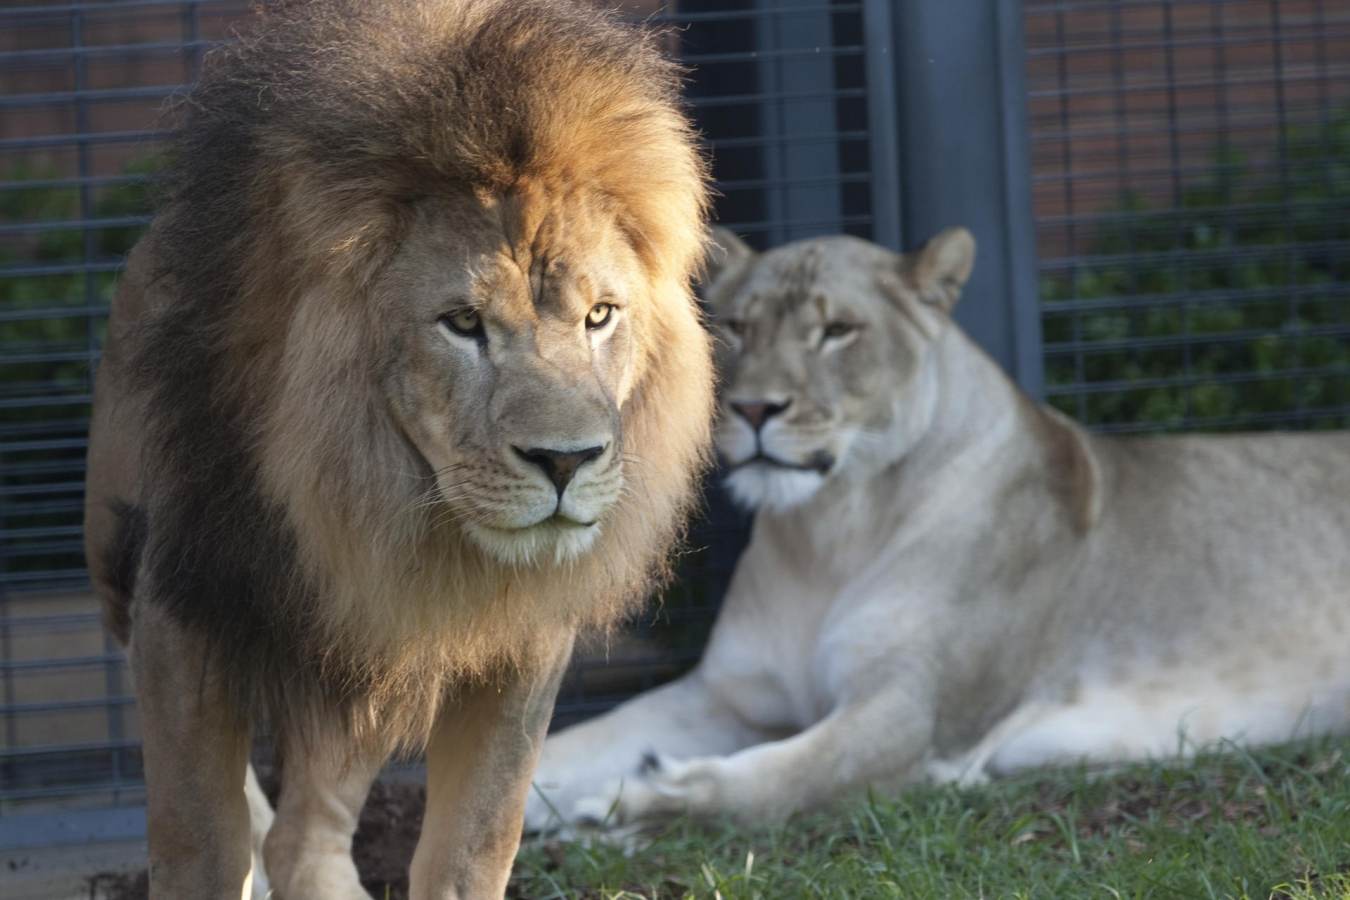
column 682, row 719
column 881, row 740
column 483, row 750
column 308, row 850
column 195, row 748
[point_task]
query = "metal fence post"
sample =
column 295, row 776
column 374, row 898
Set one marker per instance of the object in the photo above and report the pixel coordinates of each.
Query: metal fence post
column 802, row 202
column 882, row 118
column 964, row 160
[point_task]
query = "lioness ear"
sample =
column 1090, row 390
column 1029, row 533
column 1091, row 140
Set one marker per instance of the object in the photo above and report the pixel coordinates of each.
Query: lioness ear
column 726, row 253
column 939, row 269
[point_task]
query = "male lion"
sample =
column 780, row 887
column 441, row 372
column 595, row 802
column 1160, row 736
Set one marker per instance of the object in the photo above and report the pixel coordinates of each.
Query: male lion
column 945, row 578
column 404, row 387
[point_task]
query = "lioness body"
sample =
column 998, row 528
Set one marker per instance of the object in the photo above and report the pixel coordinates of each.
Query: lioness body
column 404, row 388
column 976, row 585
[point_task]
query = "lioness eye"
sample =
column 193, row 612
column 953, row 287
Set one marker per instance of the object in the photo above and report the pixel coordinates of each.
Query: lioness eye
column 599, row 315
column 464, row 321
column 835, row 330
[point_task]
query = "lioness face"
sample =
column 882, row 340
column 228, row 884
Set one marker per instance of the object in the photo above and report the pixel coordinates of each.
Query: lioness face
column 823, row 358
column 517, row 352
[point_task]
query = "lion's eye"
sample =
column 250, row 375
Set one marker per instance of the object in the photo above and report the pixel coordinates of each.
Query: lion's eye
column 835, row 330
column 466, row 322
column 599, row 315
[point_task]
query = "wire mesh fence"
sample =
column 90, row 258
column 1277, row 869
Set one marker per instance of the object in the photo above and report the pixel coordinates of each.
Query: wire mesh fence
column 80, row 88
column 1192, row 190
column 778, row 90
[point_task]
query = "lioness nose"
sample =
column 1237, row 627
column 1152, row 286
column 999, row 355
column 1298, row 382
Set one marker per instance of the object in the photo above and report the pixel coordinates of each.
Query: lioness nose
column 558, row 465
column 759, row 413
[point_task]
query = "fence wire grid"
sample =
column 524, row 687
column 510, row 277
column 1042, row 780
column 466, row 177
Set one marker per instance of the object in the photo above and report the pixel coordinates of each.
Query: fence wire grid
column 1192, row 201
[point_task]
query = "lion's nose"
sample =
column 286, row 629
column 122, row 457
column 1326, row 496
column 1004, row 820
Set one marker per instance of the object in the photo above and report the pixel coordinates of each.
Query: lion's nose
column 759, row 413
column 558, row 465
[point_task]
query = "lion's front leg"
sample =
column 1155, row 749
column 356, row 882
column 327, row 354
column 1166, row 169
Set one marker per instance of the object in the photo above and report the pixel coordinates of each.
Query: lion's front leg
column 482, row 755
column 195, row 746
column 308, row 850
column 880, row 741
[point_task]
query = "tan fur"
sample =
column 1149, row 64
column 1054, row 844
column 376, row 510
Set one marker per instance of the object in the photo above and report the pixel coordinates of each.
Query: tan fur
column 976, row 584
column 349, row 174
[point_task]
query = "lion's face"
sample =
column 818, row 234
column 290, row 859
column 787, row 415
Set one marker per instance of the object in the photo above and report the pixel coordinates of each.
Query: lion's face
column 824, row 356
column 515, row 355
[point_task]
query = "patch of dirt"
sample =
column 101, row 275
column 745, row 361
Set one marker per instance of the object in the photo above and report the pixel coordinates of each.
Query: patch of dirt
column 1179, row 804
column 119, row 886
column 386, row 837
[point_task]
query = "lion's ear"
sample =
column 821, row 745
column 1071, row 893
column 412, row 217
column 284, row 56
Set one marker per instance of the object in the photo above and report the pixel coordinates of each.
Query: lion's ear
column 940, row 268
column 726, row 254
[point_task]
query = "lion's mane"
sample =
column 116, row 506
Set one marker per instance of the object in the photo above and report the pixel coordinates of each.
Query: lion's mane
column 284, row 515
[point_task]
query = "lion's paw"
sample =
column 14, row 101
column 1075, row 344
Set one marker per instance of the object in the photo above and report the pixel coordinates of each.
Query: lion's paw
column 663, row 786
column 957, row 772
column 682, row 785
column 598, row 810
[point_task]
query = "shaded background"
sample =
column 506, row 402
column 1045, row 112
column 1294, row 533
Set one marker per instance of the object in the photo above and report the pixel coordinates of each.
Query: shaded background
column 1161, row 191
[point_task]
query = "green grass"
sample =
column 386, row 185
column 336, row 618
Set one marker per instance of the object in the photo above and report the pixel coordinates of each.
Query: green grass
column 1274, row 824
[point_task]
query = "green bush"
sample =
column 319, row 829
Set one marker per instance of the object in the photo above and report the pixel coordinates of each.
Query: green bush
column 64, row 296
column 1239, row 295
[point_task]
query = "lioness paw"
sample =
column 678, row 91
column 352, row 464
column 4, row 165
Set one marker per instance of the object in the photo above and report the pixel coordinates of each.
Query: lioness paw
column 598, row 810
column 958, row 772
column 664, row 786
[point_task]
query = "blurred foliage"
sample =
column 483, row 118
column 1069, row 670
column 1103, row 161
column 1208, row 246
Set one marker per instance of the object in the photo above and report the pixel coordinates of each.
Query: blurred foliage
column 1234, row 293
column 65, row 296
column 51, row 326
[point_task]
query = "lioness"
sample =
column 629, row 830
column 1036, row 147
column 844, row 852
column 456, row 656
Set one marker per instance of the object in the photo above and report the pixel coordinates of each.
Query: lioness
column 404, row 387
column 946, row 578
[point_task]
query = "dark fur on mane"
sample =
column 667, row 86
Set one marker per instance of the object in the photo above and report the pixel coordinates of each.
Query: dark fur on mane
column 357, row 108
